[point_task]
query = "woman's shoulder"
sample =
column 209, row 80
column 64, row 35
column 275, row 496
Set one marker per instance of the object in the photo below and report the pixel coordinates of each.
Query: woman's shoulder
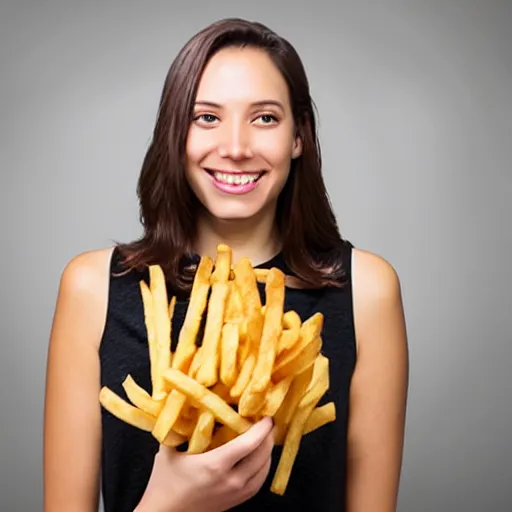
column 377, row 299
column 84, row 287
column 373, row 276
column 86, row 270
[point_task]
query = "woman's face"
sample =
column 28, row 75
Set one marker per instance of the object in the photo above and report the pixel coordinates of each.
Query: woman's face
column 242, row 138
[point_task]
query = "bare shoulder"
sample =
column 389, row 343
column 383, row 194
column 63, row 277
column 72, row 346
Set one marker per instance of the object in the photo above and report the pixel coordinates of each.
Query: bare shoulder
column 84, row 285
column 86, row 270
column 374, row 277
column 377, row 292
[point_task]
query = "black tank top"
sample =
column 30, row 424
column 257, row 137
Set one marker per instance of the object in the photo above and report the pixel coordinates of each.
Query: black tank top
column 317, row 482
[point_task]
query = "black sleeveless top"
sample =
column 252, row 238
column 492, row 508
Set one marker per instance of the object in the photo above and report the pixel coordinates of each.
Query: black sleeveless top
column 317, row 482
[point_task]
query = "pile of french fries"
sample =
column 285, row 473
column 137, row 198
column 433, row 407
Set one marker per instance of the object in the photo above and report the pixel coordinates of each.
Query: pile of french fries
column 252, row 360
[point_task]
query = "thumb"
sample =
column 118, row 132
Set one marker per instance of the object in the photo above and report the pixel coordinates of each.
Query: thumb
column 244, row 444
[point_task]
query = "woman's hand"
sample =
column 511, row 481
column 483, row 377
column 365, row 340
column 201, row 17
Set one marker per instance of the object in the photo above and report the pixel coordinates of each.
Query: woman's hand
column 214, row 481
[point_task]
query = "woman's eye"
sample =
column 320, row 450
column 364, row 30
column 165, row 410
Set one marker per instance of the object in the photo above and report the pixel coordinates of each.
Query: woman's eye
column 207, row 118
column 268, row 119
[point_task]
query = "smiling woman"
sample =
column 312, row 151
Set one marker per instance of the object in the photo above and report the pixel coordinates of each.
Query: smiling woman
column 234, row 160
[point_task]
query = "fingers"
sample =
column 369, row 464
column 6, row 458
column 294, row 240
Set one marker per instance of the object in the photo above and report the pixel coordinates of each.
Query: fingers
column 240, row 447
column 251, row 464
column 257, row 480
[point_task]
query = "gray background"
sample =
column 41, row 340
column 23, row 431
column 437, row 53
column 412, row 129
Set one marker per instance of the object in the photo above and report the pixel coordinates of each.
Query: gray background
column 416, row 122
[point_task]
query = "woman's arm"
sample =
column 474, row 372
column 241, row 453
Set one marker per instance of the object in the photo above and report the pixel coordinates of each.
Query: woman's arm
column 72, row 422
column 379, row 387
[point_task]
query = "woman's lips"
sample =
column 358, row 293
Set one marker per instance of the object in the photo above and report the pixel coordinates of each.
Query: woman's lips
column 237, row 182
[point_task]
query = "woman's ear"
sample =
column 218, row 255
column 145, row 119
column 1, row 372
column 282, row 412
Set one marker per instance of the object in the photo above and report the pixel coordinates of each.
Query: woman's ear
column 297, row 147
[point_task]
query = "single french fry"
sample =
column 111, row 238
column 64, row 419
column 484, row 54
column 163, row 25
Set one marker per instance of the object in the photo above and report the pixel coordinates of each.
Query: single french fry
column 243, row 377
column 229, row 354
column 271, row 332
column 208, row 372
column 169, row 414
column 300, row 362
column 290, row 450
column 172, row 306
column 207, row 399
column 196, row 362
column 245, row 281
column 149, row 320
column 319, row 417
column 186, row 347
column 276, row 396
column 261, row 274
column 319, row 383
column 285, row 413
column 251, row 402
column 203, row 433
column 234, row 307
column 158, row 288
column 140, row 398
column 309, row 332
column 291, row 332
column 125, row 411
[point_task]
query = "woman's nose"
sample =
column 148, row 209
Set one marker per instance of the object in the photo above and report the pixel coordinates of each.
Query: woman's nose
column 235, row 141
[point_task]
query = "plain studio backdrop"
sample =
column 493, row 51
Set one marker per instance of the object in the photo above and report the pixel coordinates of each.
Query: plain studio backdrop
column 415, row 111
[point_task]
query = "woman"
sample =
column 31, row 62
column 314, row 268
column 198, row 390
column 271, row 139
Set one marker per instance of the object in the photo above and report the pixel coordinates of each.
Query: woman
column 234, row 159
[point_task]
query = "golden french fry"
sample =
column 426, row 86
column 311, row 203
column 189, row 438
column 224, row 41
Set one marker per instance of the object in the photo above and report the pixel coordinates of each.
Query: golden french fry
column 271, row 332
column 291, row 332
column 208, row 372
column 244, row 376
column 319, row 383
column 290, row 450
column 305, row 349
column 320, row 417
column 172, row 306
column 196, row 362
column 186, row 347
column 125, row 411
column 276, row 396
column 285, row 413
column 140, row 398
column 245, row 281
column 149, row 320
column 168, row 415
column 208, row 400
column 261, row 274
column 203, row 433
column 234, row 307
column 229, row 354
column 158, row 288
column 251, row 402
column 301, row 361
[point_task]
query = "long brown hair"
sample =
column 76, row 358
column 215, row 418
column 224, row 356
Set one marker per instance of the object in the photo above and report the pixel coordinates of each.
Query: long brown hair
column 311, row 242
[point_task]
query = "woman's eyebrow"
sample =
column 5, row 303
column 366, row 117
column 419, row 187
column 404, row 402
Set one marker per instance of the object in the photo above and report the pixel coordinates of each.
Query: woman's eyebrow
column 260, row 103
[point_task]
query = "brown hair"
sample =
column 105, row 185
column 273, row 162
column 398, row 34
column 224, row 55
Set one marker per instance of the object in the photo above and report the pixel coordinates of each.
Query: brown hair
column 311, row 242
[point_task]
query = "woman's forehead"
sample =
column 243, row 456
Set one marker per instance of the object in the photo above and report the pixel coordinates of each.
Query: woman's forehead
column 243, row 75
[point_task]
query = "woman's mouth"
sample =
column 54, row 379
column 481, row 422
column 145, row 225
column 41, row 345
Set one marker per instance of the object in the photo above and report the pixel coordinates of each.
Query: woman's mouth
column 235, row 182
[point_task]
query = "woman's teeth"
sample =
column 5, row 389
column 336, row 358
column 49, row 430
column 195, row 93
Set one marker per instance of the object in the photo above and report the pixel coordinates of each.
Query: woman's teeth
column 235, row 179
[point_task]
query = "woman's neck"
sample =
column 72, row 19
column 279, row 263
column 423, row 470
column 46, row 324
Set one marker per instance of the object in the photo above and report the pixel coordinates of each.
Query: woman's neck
column 256, row 239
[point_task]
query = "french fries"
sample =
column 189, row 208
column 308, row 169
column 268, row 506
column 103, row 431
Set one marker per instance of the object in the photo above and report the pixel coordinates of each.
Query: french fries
column 254, row 360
